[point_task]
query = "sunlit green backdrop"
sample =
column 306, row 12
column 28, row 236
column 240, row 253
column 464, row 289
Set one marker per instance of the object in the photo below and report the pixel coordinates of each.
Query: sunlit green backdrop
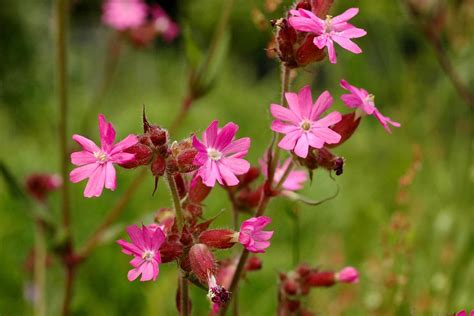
column 412, row 244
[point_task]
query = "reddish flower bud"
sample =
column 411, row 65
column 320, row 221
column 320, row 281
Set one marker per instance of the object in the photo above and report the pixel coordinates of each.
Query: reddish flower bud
column 345, row 127
column 218, row 238
column 198, row 191
column 180, row 185
column 321, row 279
column 250, row 176
column 194, row 210
column 158, row 136
column 292, row 305
column 303, row 270
column 253, row 264
column 248, row 199
column 290, row 286
column 170, row 251
column 158, row 166
column 143, row 155
column 202, row 262
column 40, row 185
column 142, row 35
column 184, row 153
column 323, row 158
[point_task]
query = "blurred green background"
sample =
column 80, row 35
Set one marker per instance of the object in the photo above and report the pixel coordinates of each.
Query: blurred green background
column 404, row 216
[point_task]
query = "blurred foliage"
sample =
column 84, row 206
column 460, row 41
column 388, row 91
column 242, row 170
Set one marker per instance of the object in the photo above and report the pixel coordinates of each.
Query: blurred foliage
column 405, row 211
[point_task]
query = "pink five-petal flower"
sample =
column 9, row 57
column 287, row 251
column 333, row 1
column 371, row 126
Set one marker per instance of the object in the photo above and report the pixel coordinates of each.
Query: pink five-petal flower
column 124, row 14
column 295, row 179
column 361, row 99
column 252, row 236
column 145, row 248
column 220, row 155
column 301, row 123
column 333, row 29
column 97, row 163
column 163, row 23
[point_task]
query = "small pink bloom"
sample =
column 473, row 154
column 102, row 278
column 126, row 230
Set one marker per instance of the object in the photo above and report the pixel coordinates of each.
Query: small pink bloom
column 301, row 123
column 39, row 185
column 163, row 23
column 333, row 29
column 97, row 163
column 252, row 236
column 361, row 99
column 124, row 14
column 348, row 275
column 295, row 180
column 217, row 294
column 220, row 155
column 145, row 248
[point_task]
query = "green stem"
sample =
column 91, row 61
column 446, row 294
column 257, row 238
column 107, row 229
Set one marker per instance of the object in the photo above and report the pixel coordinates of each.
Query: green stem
column 176, row 201
column 40, row 269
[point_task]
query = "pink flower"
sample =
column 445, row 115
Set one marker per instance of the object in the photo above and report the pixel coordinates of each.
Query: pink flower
column 97, row 163
column 360, row 98
column 145, row 248
column 252, row 236
column 348, row 275
column 124, row 14
column 301, row 123
column 217, row 294
column 293, row 182
column 220, row 156
column 163, row 23
column 333, row 29
column 464, row 313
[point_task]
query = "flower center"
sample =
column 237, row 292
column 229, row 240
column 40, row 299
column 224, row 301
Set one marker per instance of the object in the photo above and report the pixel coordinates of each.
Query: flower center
column 370, row 98
column 148, row 255
column 100, row 156
column 214, row 154
column 306, row 125
column 328, row 24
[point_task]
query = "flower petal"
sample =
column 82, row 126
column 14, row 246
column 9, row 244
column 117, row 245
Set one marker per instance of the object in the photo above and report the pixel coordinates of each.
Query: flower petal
column 284, row 114
column 110, row 177
column 225, row 135
column 80, row 173
column 345, row 16
column 127, row 142
column 210, row 135
column 96, row 182
column 107, row 133
column 323, row 102
column 237, row 148
column 305, row 101
column 347, row 44
column 86, row 143
column 302, row 146
column 80, row 158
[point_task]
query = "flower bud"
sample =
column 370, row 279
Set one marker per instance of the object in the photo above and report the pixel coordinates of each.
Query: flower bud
column 218, row 238
column 348, row 275
column 143, row 155
column 321, row 279
column 249, row 177
column 249, row 199
column 170, row 251
column 184, row 153
column 158, row 166
column 198, row 191
column 202, row 261
column 40, row 185
column 345, row 127
column 290, row 286
column 158, row 136
column 253, row 264
column 323, row 158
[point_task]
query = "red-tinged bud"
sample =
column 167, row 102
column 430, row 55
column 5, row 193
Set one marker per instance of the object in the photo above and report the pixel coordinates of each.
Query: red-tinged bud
column 184, row 153
column 40, row 185
column 303, row 270
column 170, row 251
column 202, row 262
column 345, row 127
column 253, row 264
column 198, row 191
column 282, row 276
column 218, row 238
column 249, row 177
column 180, row 185
column 292, row 305
column 290, row 286
column 308, row 53
column 248, row 199
column 323, row 158
column 143, row 155
column 194, row 210
column 303, row 4
column 143, row 35
column 321, row 279
column 321, row 7
column 158, row 166
column 158, row 136
column 286, row 40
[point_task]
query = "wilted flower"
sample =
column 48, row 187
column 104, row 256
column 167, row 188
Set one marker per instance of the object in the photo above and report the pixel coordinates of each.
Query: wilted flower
column 301, row 123
column 124, row 14
column 332, row 29
column 145, row 248
column 217, row 294
column 97, row 163
column 359, row 98
column 220, row 156
column 252, row 236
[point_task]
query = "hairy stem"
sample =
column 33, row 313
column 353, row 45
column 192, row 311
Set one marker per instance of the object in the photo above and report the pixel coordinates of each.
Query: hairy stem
column 183, row 283
column 176, row 201
column 40, row 256
column 112, row 215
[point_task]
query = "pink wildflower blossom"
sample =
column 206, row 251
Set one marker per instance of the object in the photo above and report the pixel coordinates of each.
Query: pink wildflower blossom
column 464, row 313
column 252, row 236
column 124, row 14
column 220, row 156
column 145, row 247
column 348, row 275
column 163, row 23
column 333, row 29
column 97, row 163
column 360, row 98
column 301, row 123
column 295, row 179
